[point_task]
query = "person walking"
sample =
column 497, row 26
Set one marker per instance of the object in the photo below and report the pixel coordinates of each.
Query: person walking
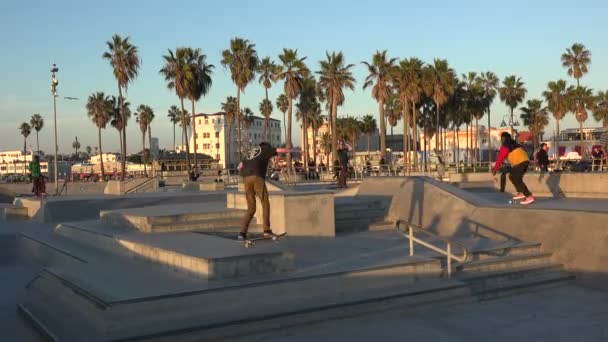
column 38, row 188
column 253, row 170
column 542, row 158
column 343, row 149
column 518, row 158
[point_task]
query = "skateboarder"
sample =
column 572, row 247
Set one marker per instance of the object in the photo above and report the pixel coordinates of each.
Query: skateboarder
column 343, row 149
column 38, row 188
column 253, row 169
column 518, row 158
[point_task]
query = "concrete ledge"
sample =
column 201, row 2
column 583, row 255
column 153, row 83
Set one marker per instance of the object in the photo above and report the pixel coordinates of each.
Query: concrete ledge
column 575, row 185
column 470, row 177
column 115, row 187
column 295, row 213
column 272, row 186
column 212, row 186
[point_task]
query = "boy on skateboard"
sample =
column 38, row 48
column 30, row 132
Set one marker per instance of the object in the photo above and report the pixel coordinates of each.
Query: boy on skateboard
column 39, row 188
column 518, row 158
column 253, row 169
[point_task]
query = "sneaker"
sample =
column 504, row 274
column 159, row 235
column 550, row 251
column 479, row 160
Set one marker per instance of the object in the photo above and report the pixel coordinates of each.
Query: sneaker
column 528, row 200
column 269, row 233
column 242, row 236
column 519, row 196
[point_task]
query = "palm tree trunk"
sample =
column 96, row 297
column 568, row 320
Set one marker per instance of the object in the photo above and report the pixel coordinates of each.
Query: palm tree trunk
column 581, row 128
column 334, row 130
column 143, row 151
column 37, row 145
column 123, row 143
column 288, row 141
column 314, row 142
column 103, row 174
column 228, row 154
column 406, row 138
column 556, row 139
column 305, row 142
column 266, row 120
column 414, row 135
column 185, row 135
column 369, row 140
column 150, row 147
column 457, row 154
column 437, row 129
column 477, row 146
column 382, row 130
column 238, row 122
column 489, row 138
column 285, row 126
column 194, row 137
column 174, row 136
column 468, row 147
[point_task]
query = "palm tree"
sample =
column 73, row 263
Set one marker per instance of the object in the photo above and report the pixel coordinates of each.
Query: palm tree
column 474, row 98
column 408, row 82
column 268, row 71
column 576, row 60
column 305, row 107
column 37, row 122
column 379, row 77
column 179, row 76
column 489, row 85
column 580, row 101
column 392, row 111
column 283, row 104
column 512, row 93
column 125, row 61
column 99, row 110
column 439, row 83
column 185, row 121
column 89, row 150
column 144, row 115
column 556, row 96
column 117, row 115
column 174, row 116
column 293, row 70
column 325, row 144
column 316, row 121
column 247, row 119
column 76, row 146
column 25, row 129
column 600, row 110
column 368, row 127
column 334, row 76
column 199, row 85
column 266, row 110
column 230, row 108
column 242, row 61
column 535, row 116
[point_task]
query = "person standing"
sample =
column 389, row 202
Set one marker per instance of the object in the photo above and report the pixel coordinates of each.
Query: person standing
column 253, row 170
column 518, row 158
column 598, row 158
column 542, row 158
column 37, row 179
column 343, row 149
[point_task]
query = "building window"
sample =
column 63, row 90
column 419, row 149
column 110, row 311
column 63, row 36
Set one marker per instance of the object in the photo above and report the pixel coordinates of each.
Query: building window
column 213, row 121
column 217, row 134
column 219, row 121
column 199, row 121
column 217, row 145
column 206, row 121
column 196, row 146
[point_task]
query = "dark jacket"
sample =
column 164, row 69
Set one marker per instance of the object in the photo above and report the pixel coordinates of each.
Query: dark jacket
column 543, row 159
column 256, row 160
column 343, row 157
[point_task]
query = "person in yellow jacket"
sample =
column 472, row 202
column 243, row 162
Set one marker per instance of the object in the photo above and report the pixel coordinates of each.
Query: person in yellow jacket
column 518, row 158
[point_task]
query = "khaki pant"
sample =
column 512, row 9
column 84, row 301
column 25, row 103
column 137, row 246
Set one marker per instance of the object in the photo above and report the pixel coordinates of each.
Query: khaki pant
column 256, row 186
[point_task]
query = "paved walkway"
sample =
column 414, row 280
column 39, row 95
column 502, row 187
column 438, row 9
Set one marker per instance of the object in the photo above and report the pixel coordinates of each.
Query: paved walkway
column 566, row 314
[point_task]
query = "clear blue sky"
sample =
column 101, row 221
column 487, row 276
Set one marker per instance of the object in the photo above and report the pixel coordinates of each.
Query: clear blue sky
column 514, row 37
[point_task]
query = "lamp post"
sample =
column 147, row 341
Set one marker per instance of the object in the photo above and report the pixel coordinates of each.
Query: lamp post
column 54, row 84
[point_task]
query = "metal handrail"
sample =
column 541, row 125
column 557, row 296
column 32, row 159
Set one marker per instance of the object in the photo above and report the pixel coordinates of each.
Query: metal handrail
column 449, row 243
column 141, row 185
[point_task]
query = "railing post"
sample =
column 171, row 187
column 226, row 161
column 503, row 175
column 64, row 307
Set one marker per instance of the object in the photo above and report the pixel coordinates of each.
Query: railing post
column 449, row 250
column 411, row 235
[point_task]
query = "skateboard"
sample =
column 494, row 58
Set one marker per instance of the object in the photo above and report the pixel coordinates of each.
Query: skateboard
column 250, row 242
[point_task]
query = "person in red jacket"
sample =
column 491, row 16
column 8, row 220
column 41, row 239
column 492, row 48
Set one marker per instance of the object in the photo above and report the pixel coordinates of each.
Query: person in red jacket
column 518, row 158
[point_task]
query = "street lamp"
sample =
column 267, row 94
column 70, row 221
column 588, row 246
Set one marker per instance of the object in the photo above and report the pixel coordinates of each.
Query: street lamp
column 511, row 123
column 54, row 84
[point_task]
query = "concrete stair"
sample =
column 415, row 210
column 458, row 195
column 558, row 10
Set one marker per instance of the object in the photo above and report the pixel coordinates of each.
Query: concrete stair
column 146, row 220
column 356, row 215
column 10, row 212
column 102, row 306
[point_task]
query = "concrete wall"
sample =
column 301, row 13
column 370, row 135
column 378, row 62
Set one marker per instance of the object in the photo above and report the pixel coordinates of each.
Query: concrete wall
column 294, row 213
column 576, row 185
column 577, row 239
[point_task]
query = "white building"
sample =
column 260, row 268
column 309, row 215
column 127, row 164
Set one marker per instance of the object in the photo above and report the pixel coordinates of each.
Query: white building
column 16, row 162
column 211, row 137
column 107, row 158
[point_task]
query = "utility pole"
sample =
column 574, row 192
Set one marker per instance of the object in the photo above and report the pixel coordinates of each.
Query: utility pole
column 54, row 84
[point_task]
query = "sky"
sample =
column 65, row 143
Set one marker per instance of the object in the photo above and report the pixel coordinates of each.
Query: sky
column 524, row 38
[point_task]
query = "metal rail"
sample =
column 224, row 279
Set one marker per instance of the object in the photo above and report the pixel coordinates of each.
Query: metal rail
column 141, row 185
column 409, row 233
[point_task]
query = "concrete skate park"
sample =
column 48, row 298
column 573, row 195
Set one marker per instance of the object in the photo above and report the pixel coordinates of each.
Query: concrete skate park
column 156, row 265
